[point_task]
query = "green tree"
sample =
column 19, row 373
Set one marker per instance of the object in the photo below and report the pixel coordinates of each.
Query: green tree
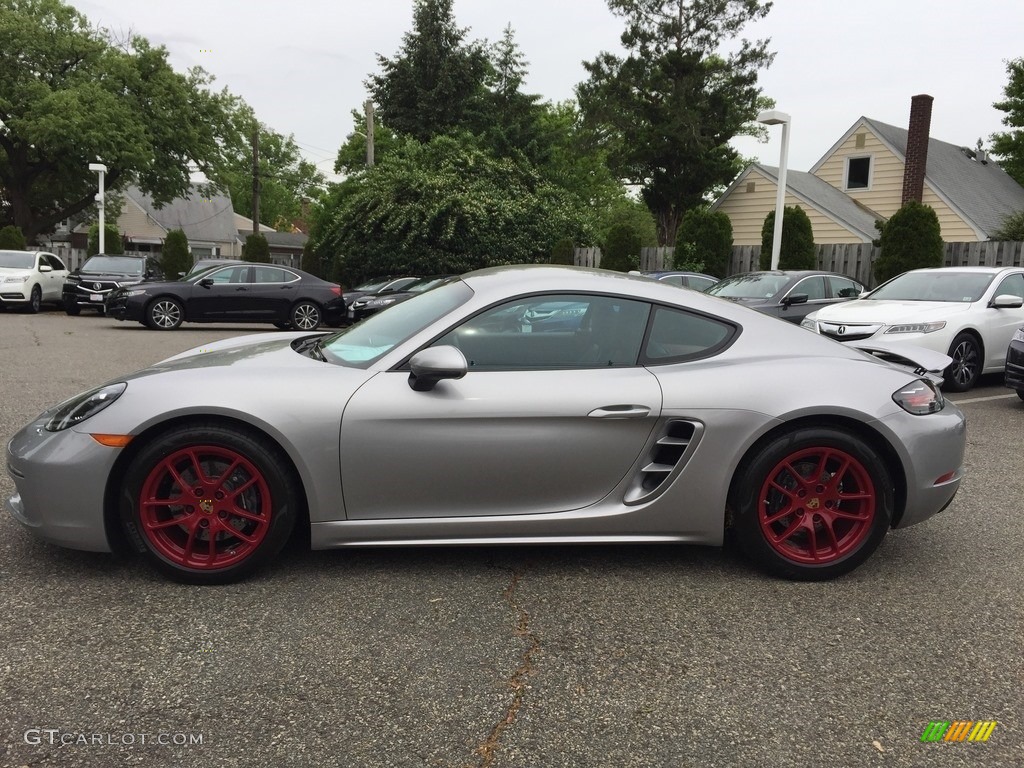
column 69, row 93
column 311, row 261
column 175, row 259
column 112, row 243
column 797, row 250
column 621, row 249
column 435, row 83
column 256, row 248
column 910, row 239
column 444, row 206
column 1008, row 146
column 670, row 107
column 11, row 239
column 1012, row 228
column 352, row 155
column 707, row 236
column 564, row 251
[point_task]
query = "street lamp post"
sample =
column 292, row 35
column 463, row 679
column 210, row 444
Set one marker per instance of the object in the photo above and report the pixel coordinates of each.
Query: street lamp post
column 775, row 117
column 101, row 170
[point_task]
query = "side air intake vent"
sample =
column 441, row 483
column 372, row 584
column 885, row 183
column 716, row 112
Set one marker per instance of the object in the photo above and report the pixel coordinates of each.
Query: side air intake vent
column 667, row 456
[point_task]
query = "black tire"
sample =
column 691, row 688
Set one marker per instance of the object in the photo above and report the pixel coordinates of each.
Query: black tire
column 283, row 326
column 35, row 300
column 963, row 372
column 1020, row 394
column 804, row 525
column 306, row 316
column 164, row 314
column 72, row 308
column 199, row 541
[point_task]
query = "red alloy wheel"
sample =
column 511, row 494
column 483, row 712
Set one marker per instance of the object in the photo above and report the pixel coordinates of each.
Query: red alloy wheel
column 205, row 507
column 817, row 506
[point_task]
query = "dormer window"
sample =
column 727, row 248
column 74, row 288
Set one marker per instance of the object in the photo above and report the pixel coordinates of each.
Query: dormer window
column 858, row 173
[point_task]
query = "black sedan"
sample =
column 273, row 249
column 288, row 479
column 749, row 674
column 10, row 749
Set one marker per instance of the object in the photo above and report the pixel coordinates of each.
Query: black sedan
column 787, row 294
column 240, row 292
column 372, row 303
column 102, row 274
column 1015, row 363
column 698, row 281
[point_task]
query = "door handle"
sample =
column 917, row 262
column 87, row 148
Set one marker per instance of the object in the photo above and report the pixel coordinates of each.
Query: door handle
column 620, row 412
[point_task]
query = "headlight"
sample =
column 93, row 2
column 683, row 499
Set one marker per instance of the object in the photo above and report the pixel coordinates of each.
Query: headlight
column 136, row 292
column 919, row 398
column 81, row 407
column 1018, row 335
column 22, row 279
column 810, row 325
column 381, row 302
column 918, row 327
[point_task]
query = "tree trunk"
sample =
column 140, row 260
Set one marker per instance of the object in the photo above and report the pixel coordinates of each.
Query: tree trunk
column 667, row 221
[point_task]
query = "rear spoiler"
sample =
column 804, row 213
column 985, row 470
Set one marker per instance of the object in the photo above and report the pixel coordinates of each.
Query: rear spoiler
column 922, row 362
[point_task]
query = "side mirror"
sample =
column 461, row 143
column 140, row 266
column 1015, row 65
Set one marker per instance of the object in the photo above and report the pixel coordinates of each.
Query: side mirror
column 206, row 282
column 431, row 365
column 794, row 298
column 1007, row 301
column 45, row 268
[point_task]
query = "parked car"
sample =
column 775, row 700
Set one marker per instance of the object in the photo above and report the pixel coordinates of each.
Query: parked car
column 698, row 281
column 29, row 279
column 375, row 286
column 202, row 264
column 371, row 303
column 787, row 294
column 1014, row 371
column 636, row 425
column 969, row 313
column 242, row 292
column 89, row 286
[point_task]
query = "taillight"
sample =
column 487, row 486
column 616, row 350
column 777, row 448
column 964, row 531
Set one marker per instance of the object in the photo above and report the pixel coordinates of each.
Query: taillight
column 336, row 290
column 919, row 398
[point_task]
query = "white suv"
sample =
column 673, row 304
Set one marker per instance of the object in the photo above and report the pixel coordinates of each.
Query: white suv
column 29, row 278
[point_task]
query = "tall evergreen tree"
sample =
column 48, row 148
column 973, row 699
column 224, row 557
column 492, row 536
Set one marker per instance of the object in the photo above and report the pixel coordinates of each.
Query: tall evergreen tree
column 672, row 105
column 1008, row 146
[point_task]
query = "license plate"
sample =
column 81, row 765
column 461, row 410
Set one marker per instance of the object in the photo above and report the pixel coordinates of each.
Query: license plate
column 95, row 297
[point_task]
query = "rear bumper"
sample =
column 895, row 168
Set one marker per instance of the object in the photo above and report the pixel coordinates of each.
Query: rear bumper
column 1014, row 376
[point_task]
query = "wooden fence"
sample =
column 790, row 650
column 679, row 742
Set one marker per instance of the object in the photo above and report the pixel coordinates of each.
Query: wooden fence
column 853, row 259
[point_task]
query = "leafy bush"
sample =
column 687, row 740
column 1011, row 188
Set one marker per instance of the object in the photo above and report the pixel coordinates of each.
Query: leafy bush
column 564, row 252
column 910, row 239
column 256, row 248
column 111, row 240
column 705, row 238
column 175, row 258
column 797, row 251
column 621, row 251
column 1012, row 228
column 11, row 239
column 311, row 261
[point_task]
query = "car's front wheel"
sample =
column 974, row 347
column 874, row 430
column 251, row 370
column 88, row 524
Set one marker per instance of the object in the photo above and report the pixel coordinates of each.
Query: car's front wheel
column 209, row 504
column 812, row 504
column 165, row 314
column 306, row 316
column 35, row 300
column 71, row 307
column 962, row 374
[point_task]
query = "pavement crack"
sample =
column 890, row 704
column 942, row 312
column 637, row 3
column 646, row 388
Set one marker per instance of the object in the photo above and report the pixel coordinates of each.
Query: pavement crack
column 517, row 683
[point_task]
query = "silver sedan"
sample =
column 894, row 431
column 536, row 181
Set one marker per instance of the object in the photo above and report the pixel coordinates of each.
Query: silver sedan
column 514, row 405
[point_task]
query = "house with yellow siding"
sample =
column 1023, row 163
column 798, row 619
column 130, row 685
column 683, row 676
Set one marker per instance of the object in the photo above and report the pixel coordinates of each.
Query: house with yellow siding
column 865, row 177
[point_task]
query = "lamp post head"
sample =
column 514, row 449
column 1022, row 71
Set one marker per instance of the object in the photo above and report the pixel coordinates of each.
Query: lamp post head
column 773, row 117
column 99, row 167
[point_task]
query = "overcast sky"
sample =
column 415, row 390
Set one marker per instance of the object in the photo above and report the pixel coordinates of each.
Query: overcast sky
column 302, row 64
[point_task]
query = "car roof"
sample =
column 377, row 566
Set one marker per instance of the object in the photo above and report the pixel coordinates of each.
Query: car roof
column 974, row 270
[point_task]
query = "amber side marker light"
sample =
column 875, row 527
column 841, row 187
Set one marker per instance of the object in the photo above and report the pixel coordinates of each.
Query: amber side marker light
column 113, row 441
column 944, row 478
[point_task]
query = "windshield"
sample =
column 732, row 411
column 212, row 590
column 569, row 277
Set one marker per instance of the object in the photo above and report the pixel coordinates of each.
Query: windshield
column 16, row 260
column 934, row 286
column 371, row 287
column 122, row 265
column 754, row 286
column 360, row 344
column 426, row 284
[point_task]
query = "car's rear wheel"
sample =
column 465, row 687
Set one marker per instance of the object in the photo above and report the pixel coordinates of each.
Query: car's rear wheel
column 962, row 374
column 35, row 300
column 164, row 314
column 71, row 307
column 306, row 316
column 812, row 504
column 209, row 504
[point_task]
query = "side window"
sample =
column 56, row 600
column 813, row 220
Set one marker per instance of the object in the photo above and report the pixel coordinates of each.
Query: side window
column 555, row 331
column 700, row 283
column 54, row 262
column 229, row 275
column 814, row 287
column 672, row 279
column 273, row 275
column 677, row 335
column 1012, row 285
column 842, row 288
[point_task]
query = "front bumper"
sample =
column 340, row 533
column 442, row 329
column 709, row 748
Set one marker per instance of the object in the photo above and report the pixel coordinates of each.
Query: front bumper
column 121, row 306
column 15, row 293
column 60, row 482
column 1014, row 376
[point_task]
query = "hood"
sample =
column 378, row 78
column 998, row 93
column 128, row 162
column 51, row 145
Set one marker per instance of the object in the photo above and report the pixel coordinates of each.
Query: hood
column 889, row 312
column 257, row 350
column 16, row 271
column 108, row 275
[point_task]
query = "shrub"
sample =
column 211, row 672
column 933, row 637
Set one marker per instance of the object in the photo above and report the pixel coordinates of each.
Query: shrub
column 910, row 239
column 621, row 250
column 11, row 239
column 705, row 238
column 256, row 248
column 797, row 251
column 175, row 258
column 1012, row 228
column 111, row 240
column 564, row 252
column 311, row 261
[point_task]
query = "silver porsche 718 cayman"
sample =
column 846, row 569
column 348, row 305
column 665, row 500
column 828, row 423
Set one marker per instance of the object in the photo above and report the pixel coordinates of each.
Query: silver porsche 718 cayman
column 514, row 405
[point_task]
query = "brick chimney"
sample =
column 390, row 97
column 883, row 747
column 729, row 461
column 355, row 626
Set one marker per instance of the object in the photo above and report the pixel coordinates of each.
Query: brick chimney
column 917, row 148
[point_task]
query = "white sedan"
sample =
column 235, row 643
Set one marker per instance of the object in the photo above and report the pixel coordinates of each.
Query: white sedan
column 968, row 313
column 29, row 278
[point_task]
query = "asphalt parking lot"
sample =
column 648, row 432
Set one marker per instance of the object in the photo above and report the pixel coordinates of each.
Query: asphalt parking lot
column 561, row 656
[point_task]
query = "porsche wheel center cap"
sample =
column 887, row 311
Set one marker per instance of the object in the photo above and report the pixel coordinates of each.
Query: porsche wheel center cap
column 206, row 505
